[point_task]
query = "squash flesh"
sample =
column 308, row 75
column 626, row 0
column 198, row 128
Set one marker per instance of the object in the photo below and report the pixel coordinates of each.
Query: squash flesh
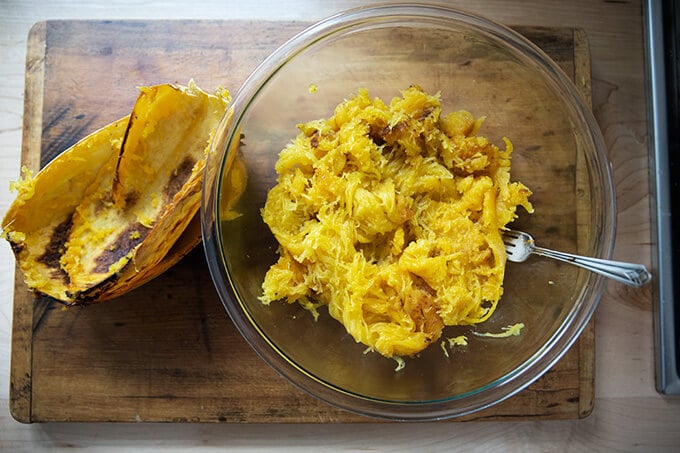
column 391, row 216
column 127, row 194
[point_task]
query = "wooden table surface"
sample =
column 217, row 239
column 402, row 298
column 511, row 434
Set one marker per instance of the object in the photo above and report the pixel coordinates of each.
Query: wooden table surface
column 628, row 414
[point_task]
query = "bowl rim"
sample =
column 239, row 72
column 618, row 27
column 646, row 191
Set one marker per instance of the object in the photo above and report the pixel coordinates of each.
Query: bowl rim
column 502, row 388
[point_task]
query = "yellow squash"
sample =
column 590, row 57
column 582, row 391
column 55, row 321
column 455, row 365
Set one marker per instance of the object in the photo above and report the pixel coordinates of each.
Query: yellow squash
column 119, row 207
column 391, row 216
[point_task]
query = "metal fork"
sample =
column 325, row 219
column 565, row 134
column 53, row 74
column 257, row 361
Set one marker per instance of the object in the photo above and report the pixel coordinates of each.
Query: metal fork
column 519, row 245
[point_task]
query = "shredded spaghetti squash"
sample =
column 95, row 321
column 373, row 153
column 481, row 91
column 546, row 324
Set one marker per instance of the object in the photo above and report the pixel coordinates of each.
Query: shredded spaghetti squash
column 391, row 215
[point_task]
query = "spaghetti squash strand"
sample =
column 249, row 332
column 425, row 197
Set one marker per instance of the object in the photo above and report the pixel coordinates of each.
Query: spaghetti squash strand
column 391, row 215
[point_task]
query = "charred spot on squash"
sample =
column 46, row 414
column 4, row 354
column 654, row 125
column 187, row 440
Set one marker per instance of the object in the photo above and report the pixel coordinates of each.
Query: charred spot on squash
column 393, row 133
column 427, row 111
column 55, row 249
column 421, row 306
column 127, row 240
column 179, row 177
column 314, row 140
column 131, row 199
column 93, row 294
column 377, row 132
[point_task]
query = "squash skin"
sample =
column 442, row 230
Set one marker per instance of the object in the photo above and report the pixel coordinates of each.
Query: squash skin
column 120, row 206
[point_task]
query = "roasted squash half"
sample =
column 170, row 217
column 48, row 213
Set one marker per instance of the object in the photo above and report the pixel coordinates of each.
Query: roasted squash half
column 119, row 207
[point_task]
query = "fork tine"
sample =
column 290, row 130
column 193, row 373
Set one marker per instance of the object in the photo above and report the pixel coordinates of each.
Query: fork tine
column 511, row 233
column 509, row 238
column 515, row 248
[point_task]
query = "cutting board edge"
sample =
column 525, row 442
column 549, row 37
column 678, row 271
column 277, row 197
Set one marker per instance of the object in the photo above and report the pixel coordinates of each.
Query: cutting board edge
column 21, row 342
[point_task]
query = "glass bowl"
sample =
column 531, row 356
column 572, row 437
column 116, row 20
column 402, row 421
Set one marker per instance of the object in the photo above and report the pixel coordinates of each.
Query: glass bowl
column 476, row 65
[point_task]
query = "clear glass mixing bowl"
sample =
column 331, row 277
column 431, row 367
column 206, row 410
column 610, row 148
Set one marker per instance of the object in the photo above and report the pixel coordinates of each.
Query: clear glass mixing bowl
column 476, row 65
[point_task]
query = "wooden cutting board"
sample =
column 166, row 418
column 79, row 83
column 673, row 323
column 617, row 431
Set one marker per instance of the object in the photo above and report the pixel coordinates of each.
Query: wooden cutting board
column 167, row 352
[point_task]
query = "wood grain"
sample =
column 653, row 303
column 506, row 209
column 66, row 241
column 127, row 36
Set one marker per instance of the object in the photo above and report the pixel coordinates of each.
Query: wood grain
column 167, row 351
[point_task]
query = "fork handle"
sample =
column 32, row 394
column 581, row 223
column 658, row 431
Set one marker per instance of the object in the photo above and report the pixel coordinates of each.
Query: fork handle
column 634, row 275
